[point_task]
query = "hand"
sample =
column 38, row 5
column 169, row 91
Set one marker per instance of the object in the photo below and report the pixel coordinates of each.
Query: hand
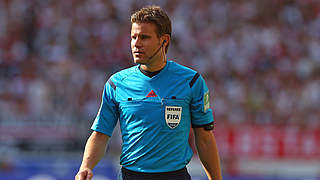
column 84, row 174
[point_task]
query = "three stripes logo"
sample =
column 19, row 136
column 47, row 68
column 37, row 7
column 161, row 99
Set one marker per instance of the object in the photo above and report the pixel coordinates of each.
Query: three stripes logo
column 152, row 94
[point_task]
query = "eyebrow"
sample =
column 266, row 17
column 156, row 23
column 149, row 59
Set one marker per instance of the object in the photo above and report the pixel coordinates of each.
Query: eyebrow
column 143, row 36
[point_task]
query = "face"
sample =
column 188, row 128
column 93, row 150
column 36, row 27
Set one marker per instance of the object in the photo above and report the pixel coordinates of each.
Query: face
column 144, row 42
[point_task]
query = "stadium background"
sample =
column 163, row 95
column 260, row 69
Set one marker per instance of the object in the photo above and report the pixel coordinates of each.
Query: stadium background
column 261, row 60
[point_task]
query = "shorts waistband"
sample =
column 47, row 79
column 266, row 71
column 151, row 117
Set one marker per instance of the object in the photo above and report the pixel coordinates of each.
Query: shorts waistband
column 179, row 171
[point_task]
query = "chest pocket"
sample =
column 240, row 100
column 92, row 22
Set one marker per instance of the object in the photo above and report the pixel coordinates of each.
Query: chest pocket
column 169, row 115
column 175, row 115
column 140, row 114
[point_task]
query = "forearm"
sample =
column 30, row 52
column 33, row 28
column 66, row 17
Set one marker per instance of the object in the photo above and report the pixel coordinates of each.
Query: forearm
column 94, row 150
column 208, row 154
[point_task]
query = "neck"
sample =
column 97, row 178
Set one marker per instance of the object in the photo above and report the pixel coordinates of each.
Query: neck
column 155, row 66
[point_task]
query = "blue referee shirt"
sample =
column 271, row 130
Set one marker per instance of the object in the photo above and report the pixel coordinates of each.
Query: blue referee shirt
column 155, row 115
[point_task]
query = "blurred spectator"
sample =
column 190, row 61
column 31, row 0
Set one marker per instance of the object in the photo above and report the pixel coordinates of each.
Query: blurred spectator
column 261, row 59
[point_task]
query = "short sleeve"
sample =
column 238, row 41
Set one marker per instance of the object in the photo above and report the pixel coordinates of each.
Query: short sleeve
column 108, row 115
column 201, row 113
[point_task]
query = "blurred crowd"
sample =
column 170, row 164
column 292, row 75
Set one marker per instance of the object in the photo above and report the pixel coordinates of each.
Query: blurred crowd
column 260, row 59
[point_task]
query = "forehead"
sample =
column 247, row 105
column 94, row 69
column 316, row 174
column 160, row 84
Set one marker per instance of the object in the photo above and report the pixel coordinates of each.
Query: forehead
column 143, row 28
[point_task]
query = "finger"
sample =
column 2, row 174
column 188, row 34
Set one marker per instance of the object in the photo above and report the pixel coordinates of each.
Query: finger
column 81, row 176
column 89, row 176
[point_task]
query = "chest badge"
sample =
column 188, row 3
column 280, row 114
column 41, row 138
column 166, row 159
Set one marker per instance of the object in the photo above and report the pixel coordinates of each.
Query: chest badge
column 173, row 116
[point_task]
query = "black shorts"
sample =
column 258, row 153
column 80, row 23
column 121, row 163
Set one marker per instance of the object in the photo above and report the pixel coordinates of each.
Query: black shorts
column 181, row 174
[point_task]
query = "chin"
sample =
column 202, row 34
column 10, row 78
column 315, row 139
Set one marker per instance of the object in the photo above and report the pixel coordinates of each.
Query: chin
column 139, row 61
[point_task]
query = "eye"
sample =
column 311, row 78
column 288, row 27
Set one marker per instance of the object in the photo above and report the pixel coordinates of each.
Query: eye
column 133, row 37
column 145, row 37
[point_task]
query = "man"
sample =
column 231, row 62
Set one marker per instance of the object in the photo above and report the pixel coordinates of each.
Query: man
column 156, row 103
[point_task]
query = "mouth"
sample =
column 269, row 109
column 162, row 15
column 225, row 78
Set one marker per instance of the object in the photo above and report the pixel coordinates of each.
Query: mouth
column 138, row 52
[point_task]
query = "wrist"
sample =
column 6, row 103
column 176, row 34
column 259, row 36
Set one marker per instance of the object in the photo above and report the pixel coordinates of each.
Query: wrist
column 85, row 166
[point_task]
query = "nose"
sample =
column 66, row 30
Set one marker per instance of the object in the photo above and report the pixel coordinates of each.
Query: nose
column 136, row 42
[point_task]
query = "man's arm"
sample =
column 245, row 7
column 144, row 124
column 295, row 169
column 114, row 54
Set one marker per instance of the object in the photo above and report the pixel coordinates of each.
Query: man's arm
column 208, row 153
column 94, row 151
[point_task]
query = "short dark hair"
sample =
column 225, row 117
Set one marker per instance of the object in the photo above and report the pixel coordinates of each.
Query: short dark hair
column 155, row 15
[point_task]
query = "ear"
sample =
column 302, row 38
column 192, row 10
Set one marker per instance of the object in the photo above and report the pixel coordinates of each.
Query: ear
column 166, row 38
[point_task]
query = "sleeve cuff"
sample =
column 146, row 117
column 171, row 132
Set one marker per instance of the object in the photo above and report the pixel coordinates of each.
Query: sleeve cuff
column 209, row 126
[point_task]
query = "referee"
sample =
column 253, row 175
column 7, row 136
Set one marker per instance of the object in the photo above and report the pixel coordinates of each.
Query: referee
column 156, row 103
